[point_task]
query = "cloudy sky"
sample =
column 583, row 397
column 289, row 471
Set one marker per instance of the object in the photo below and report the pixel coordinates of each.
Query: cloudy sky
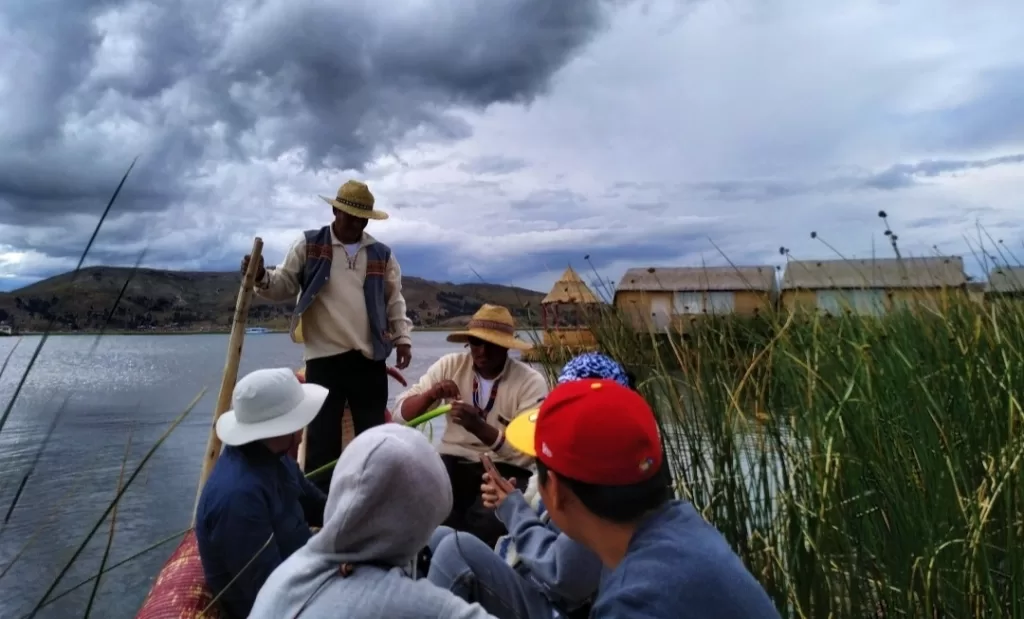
column 510, row 139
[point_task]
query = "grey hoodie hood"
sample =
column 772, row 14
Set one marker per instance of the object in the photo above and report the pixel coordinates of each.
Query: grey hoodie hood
column 388, row 493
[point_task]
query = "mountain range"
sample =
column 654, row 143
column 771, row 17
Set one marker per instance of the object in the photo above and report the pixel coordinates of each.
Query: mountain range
column 158, row 300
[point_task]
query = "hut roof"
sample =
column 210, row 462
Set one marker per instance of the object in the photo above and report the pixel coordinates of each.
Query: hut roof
column 684, row 279
column 888, row 273
column 570, row 288
column 1006, row 279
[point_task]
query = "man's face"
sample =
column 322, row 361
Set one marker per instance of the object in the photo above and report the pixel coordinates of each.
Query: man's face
column 487, row 357
column 354, row 225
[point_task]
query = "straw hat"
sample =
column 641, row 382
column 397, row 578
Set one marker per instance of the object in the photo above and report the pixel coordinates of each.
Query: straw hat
column 355, row 199
column 268, row 404
column 494, row 324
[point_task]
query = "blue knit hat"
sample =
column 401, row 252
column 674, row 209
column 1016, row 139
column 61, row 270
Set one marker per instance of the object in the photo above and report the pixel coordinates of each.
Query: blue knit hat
column 594, row 365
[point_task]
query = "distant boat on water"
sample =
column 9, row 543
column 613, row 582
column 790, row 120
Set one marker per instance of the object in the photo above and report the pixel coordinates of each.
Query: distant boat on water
column 256, row 330
column 6, row 330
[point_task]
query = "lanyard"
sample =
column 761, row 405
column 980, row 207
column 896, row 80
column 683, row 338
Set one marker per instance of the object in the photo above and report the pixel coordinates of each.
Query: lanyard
column 490, row 399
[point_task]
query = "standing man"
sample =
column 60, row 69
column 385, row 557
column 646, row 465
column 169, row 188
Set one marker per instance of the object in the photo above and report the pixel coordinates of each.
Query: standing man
column 350, row 314
column 488, row 389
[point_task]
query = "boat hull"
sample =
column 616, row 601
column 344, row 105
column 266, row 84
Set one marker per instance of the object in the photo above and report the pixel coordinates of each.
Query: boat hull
column 180, row 591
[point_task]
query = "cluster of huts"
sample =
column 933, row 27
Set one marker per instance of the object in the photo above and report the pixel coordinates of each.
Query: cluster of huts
column 660, row 295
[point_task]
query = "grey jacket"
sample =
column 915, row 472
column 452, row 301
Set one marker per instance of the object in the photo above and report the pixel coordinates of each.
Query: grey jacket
column 388, row 493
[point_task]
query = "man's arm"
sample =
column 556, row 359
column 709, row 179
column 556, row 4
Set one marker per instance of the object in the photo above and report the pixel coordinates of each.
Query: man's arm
column 398, row 321
column 566, row 568
column 312, row 499
column 531, row 394
column 421, row 397
column 282, row 283
column 248, row 547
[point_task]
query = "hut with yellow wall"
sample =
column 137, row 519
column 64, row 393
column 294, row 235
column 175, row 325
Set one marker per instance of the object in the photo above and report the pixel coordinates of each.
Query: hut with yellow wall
column 1006, row 282
column 563, row 318
column 871, row 287
column 661, row 297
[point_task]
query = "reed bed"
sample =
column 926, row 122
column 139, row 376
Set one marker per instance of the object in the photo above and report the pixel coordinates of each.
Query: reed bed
column 861, row 467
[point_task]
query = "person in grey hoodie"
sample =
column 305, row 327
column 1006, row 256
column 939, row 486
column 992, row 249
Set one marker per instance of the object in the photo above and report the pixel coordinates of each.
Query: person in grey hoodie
column 389, row 492
column 536, row 570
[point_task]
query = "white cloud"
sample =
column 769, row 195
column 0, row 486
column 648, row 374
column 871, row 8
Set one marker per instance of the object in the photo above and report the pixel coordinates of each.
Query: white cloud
column 630, row 154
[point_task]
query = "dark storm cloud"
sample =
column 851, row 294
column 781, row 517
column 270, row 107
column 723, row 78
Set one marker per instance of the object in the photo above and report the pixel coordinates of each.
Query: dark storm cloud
column 897, row 176
column 659, row 247
column 198, row 81
column 905, row 175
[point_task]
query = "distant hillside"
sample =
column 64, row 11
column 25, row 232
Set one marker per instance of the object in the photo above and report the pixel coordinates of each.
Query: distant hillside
column 158, row 300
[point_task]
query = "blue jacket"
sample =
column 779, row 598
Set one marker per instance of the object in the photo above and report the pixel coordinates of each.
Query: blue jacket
column 252, row 495
column 566, row 572
column 678, row 566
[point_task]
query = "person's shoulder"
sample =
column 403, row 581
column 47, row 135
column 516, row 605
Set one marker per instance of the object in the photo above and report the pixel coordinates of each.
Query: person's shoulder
column 450, row 364
column 685, row 563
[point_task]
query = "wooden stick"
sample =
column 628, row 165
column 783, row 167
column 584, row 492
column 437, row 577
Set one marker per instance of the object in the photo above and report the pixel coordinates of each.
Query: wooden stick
column 230, row 376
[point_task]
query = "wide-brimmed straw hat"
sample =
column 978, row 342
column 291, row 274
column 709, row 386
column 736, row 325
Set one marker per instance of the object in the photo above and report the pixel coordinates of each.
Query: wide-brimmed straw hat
column 355, row 199
column 268, row 404
column 494, row 324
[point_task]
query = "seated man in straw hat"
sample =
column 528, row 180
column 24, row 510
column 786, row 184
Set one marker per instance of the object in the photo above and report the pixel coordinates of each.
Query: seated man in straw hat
column 350, row 314
column 256, row 507
column 487, row 389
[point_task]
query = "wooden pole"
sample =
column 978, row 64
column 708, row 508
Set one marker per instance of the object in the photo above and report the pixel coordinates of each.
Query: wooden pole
column 230, row 376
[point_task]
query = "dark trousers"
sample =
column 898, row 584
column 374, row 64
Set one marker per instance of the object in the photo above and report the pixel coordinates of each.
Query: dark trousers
column 350, row 378
column 468, row 512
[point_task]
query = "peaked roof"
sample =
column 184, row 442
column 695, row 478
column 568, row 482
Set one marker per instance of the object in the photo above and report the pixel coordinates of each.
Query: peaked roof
column 570, row 288
column 696, row 279
column 913, row 272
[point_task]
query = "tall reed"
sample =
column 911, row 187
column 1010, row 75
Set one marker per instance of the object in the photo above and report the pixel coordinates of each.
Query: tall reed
column 861, row 467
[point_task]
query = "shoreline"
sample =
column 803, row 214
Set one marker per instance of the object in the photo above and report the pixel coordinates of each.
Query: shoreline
column 225, row 331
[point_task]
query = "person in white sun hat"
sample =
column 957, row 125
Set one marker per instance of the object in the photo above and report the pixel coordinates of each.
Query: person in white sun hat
column 257, row 508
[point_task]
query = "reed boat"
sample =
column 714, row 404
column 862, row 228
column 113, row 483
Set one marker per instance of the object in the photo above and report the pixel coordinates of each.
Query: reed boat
column 180, row 590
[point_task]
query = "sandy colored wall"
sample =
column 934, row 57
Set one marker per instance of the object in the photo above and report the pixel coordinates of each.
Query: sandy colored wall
column 638, row 305
column 804, row 300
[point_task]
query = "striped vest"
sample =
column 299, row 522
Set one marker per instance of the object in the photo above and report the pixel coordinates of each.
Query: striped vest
column 317, row 270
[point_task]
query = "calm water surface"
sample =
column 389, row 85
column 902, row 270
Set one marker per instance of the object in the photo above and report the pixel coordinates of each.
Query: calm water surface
column 101, row 392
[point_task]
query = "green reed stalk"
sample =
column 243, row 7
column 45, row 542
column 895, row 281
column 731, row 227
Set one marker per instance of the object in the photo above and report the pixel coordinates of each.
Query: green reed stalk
column 110, row 568
column 74, row 275
column 113, row 529
column 117, row 498
column 857, row 465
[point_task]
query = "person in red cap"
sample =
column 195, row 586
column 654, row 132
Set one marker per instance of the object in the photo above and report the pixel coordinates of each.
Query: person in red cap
column 599, row 461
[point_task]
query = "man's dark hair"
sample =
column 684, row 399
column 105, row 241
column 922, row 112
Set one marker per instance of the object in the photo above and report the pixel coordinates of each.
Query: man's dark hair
column 620, row 504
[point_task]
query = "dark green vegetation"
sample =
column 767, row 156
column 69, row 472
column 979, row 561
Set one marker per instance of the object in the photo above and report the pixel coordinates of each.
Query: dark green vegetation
column 860, row 467
column 201, row 301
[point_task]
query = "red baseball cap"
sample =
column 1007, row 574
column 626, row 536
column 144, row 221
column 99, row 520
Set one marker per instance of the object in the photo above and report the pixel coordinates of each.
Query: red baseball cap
column 593, row 431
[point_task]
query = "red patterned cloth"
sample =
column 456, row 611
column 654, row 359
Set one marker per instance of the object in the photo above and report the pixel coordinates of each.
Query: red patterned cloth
column 180, row 591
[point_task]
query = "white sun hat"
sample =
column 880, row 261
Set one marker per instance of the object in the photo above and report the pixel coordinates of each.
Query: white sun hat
column 268, row 404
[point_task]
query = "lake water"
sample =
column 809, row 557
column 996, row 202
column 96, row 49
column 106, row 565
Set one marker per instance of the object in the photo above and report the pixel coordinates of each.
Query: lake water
column 111, row 388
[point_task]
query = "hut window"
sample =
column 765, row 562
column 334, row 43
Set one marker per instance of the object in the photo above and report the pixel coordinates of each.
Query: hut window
column 869, row 302
column 721, row 302
column 689, row 303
